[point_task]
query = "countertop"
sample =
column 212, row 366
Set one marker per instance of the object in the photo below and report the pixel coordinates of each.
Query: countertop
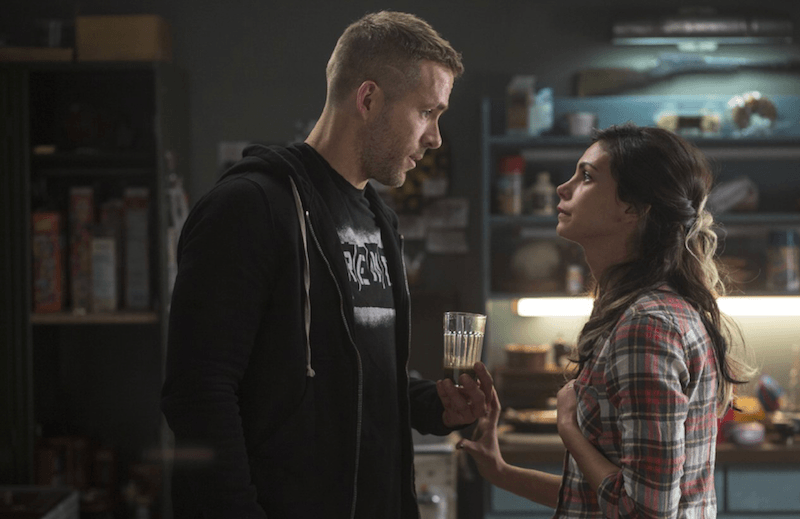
column 547, row 449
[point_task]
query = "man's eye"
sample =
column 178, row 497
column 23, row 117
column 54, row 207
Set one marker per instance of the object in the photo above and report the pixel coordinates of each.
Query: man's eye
column 586, row 176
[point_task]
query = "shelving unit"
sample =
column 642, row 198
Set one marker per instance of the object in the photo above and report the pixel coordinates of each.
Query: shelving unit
column 779, row 186
column 771, row 162
column 119, row 317
column 86, row 376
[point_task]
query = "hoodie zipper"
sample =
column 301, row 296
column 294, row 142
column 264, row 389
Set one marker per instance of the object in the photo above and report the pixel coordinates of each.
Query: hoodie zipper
column 359, row 411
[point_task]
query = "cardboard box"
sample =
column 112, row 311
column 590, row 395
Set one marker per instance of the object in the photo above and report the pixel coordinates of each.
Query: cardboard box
column 81, row 223
column 137, row 250
column 111, row 224
column 48, row 262
column 142, row 37
column 104, row 274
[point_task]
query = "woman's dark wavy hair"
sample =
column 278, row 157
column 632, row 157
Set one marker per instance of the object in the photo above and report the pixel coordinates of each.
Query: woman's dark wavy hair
column 666, row 180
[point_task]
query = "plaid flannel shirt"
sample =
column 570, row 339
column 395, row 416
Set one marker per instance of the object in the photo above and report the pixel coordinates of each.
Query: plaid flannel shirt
column 647, row 401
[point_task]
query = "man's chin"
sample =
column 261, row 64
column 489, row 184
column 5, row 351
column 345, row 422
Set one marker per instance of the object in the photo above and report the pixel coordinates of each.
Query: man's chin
column 396, row 181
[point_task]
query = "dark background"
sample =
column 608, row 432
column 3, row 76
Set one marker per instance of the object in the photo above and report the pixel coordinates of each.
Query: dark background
column 256, row 67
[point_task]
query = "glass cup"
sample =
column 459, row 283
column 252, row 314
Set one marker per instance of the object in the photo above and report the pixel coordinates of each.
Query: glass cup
column 463, row 342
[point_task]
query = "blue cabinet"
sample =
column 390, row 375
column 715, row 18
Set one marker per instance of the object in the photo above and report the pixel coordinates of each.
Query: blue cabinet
column 762, row 491
column 504, row 504
column 743, row 492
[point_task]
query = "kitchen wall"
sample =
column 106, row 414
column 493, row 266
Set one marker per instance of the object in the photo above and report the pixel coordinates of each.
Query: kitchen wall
column 255, row 67
column 767, row 341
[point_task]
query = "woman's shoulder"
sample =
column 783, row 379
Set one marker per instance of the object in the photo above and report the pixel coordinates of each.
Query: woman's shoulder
column 663, row 304
column 662, row 299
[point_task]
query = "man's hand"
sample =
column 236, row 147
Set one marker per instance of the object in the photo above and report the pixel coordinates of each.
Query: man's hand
column 463, row 405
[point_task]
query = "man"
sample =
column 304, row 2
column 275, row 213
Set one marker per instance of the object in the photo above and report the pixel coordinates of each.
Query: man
column 289, row 326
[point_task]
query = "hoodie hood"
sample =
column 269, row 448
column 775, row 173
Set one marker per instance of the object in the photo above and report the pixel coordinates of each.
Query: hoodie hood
column 269, row 159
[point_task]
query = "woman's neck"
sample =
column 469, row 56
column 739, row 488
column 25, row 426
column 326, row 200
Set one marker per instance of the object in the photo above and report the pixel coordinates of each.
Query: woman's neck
column 605, row 255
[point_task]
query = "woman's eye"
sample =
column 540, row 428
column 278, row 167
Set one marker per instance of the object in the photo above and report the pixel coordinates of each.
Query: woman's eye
column 427, row 113
column 586, row 176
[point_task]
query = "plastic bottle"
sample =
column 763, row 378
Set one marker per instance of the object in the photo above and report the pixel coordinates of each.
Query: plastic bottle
column 509, row 184
column 543, row 195
column 793, row 390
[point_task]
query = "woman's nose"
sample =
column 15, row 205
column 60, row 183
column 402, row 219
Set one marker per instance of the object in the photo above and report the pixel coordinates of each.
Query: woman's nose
column 562, row 191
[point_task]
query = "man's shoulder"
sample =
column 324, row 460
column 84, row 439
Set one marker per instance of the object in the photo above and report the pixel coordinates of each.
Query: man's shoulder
column 261, row 163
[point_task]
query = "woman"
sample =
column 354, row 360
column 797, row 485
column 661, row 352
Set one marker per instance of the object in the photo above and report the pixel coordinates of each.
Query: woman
column 654, row 367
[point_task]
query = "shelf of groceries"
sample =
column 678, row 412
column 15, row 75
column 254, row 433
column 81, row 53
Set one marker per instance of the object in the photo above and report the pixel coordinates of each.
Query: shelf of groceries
column 94, row 318
column 756, row 199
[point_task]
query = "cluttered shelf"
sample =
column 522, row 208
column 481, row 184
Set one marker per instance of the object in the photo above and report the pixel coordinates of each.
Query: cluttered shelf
column 754, row 199
column 762, row 429
column 710, row 121
column 559, row 147
column 95, row 318
column 744, row 218
column 536, row 448
column 102, row 162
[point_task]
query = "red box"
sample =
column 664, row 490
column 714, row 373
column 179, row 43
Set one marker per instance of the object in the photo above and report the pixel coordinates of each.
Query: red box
column 48, row 262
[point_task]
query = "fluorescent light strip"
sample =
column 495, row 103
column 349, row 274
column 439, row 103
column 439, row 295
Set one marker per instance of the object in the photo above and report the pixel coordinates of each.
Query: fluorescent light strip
column 778, row 306
column 554, row 306
column 766, row 306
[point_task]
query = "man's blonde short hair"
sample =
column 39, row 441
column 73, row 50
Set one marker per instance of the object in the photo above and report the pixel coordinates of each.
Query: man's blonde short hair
column 386, row 47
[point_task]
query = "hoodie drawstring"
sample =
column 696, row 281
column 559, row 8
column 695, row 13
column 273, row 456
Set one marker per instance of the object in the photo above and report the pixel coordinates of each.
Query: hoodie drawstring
column 306, row 277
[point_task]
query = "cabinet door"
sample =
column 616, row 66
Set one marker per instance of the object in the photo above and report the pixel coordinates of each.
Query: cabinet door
column 15, row 409
column 502, row 503
column 772, row 489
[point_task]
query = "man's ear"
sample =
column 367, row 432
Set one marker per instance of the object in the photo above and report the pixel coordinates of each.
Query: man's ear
column 368, row 98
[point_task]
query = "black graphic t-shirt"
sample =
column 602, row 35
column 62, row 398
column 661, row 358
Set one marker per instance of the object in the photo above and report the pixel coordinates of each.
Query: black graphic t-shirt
column 362, row 246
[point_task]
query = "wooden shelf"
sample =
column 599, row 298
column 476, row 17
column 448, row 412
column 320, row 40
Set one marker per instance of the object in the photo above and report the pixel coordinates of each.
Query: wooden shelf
column 95, row 318
column 113, row 162
column 527, row 448
column 27, row 54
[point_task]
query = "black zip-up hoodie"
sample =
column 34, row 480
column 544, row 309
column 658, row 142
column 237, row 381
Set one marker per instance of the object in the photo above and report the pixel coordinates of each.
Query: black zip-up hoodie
column 266, row 415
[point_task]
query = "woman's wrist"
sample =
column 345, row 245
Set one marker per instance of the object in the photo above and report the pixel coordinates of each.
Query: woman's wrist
column 498, row 472
column 569, row 432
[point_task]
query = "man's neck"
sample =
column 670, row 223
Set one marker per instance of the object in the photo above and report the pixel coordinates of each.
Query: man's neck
column 336, row 141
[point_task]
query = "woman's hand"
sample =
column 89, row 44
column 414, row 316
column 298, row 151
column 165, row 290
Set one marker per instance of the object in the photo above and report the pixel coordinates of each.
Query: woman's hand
column 484, row 447
column 567, row 409
column 593, row 463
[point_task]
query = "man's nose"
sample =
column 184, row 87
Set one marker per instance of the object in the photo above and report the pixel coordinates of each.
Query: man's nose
column 433, row 138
